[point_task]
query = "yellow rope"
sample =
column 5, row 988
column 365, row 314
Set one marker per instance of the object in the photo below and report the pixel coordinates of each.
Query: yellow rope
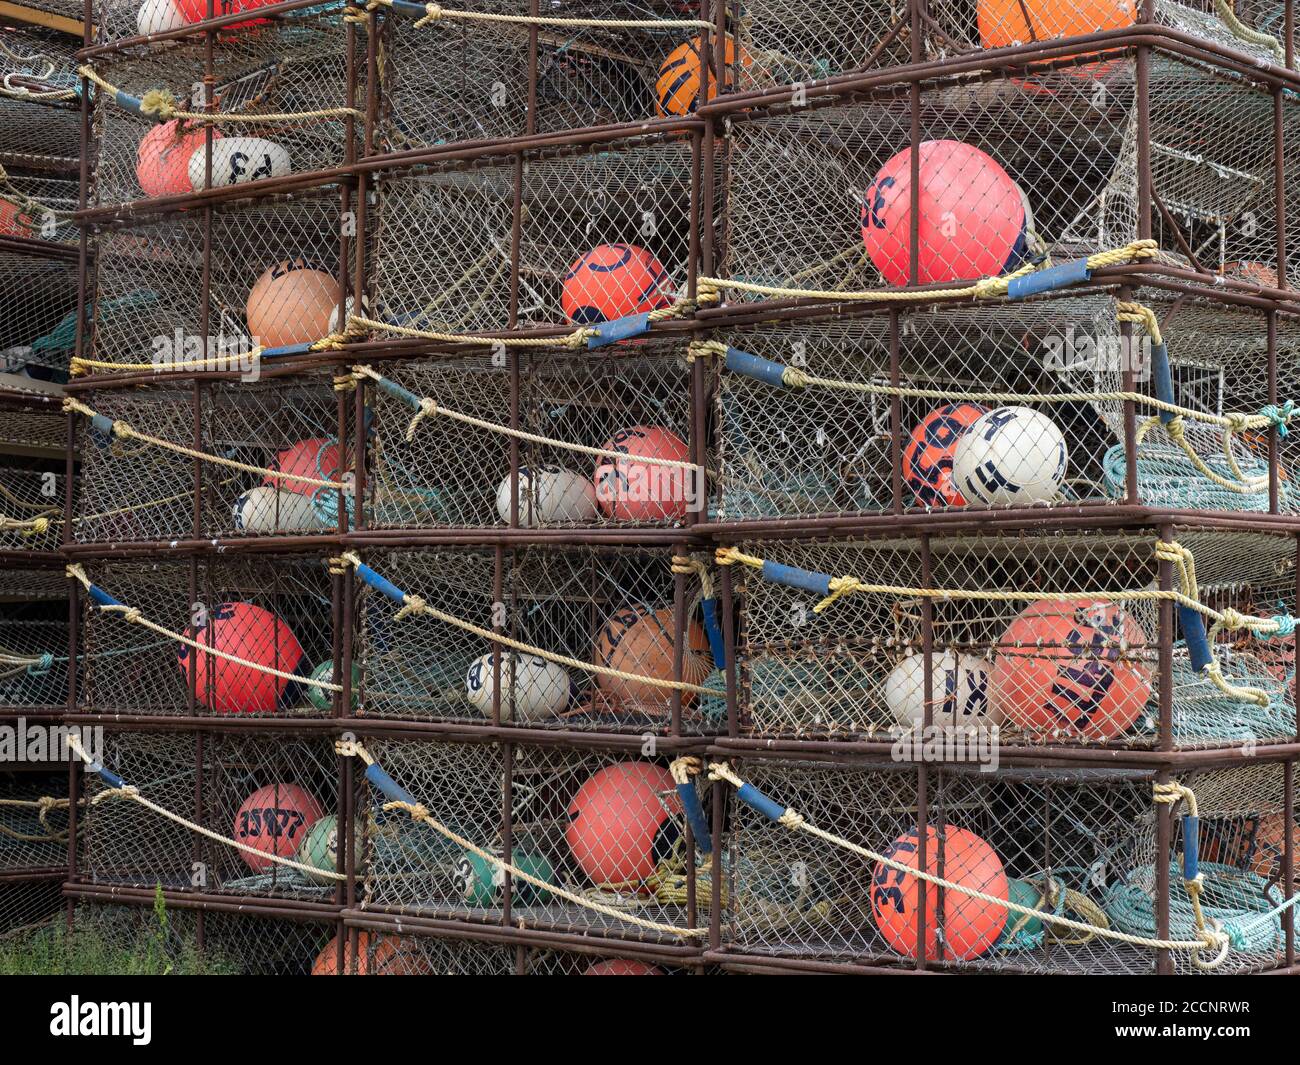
column 43, row 805
column 418, row 812
column 436, row 13
column 135, row 617
column 1244, row 33
column 985, row 288
column 161, row 104
column 133, row 793
column 1210, row 938
column 126, row 432
column 413, row 604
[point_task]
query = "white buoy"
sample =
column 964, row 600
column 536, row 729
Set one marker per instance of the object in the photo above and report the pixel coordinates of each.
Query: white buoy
column 548, row 495
column 958, row 690
column 236, row 160
column 541, row 688
column 155, row 16
column 265, row 509
column 1010, row 456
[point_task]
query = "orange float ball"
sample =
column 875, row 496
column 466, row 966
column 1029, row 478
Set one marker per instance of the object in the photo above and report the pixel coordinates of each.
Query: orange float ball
column 1257, row 844
column 14, row 221
column 197, row 10
column 622, row 967
column 317, row 458
column 274, row 820
column 970, row 926
column 1068, row 666
column 162, row 162
column 292, row 303
column 1010, row 22
column 627, row 490
column 639, row 640
column 619, row 827
column 390, row 956
column 250, row 632
column 678, row 86
column 613, row 281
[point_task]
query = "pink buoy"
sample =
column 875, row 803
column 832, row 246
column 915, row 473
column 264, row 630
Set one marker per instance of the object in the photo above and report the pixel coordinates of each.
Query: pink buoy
column 627, row 490
column 162, row 161
column 318, row 458
column 244, row 631
column 274, row 820
column 972, row 216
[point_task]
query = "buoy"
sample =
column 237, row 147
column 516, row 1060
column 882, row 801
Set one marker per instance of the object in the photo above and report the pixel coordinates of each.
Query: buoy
column 155, row 16
column 481, row 882
column 249, row 632
column 197, row 10
column 619, row 826
column 1253, row 843
column 613, row 281
column 274, row 820
column 291, row 303
column 378, row 956
column 14, row 220
column 972, row 220
column 549, row 495
column 324, row 700
column 1067, row 667
column 264, row 509
column 320, row 849
column 928, row 454
column 638, row 640
column 628, row 490
column 162, row 161
column 1004, row 23
column 678, row 86
column 540, row 688
column 970, row 926
column 622, row 967
column 958, row 690
column 1012, row 456
column 237, row 160
column 318, row 458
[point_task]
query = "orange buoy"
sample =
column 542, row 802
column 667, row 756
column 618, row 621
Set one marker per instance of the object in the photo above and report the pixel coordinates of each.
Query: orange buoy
column 1010, row 22
column 613, row 281
column 294, row 302
column 197, row 10
column 628, row 490
column 1254, row 843
column 639, row 641
column 14, row 221
column 274, row 820
column 162, row 161
column 619, row 827
column 928, row 454
column 622, row 967
column 678, row 86
column 970, row 926
column 248, row 632
column 317, row 458
column 389, row 956
column 1068, row 666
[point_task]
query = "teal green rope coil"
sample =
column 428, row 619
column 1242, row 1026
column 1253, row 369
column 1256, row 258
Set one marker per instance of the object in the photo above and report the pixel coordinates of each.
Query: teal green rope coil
column 1203, row 712
column 1167, row 478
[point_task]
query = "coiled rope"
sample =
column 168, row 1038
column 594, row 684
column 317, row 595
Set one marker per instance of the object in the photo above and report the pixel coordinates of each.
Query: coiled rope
column 43, row 806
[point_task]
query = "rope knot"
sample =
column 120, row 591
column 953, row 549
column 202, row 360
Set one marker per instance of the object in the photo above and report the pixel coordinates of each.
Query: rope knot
column 1283, row 626
column 42, row 666
column 701, row 348
column 684, row 768
column 792, row 819
column 793, row 377
column 159, row 102
column 1279, row 417
column 433, row 12
column 413, row 605
column 428, row 409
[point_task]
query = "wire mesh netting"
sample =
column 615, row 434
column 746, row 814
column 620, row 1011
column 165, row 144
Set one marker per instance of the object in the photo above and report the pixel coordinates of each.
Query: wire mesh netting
column 1076, row 843
column 38, row 314
column 602, row 234
column 40, row 131
column 595, row 637
column 274, row 461
column 33, row 835
column 604, row 827
column 31, row 509
column 272, row 280
column 26, row 903
column 440, row 470
column 282, row 89
column 33, row 639
column 266, row 641
column 277, row 798
column 1082, row 668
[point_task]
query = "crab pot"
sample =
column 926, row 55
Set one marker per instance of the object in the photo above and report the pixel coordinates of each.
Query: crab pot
column 38, row 314
column 294, row 72
column 40, row 132
column 1080, row 843
column 1012, row 169
column 33, row 839
column 32, row 509
column 459, row 80
column 1082, row 669
column 443, row 471
column 252, row 618
column 267, row 794
column 600, row 825
column 276, row 461
column 604, row 233
column 1056, row 435
column 33, row 640
column 594, row 641
column 243, row 944
column 272, row 280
